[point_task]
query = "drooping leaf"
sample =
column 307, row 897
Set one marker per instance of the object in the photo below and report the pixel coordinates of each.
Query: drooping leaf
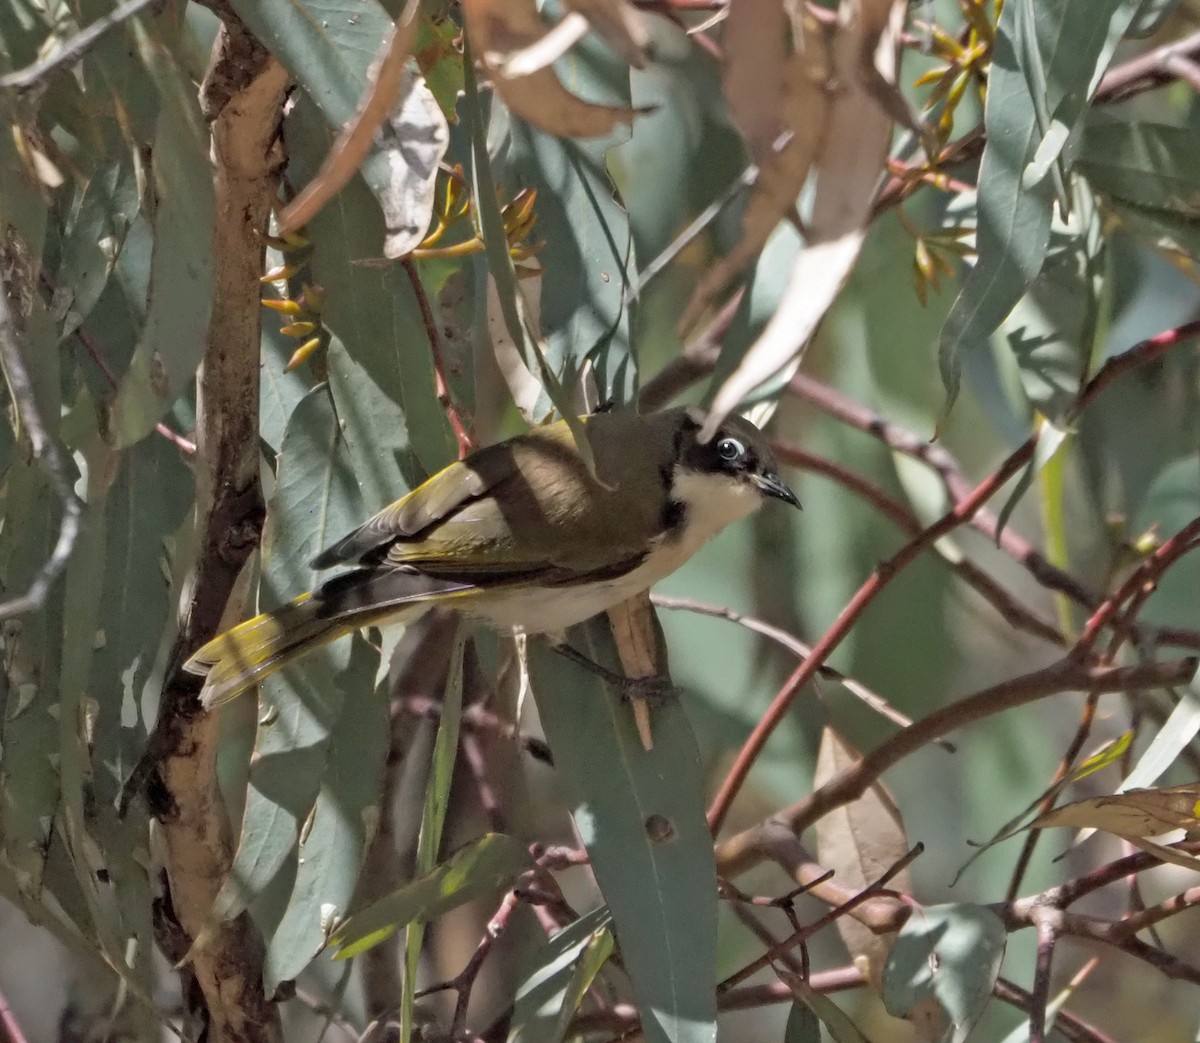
column 1052, row 328
column 503, row 30
column 1050, row 442
column 841, row 1029
column 860, row 842
column 440, row 61
column 848, row 164
column 803, row 1025
column 99, row 222
column 1133, row 813
column 640, row 813
column 484, row 866
column 587, row 261
column 314, row 503
column 1151, row 165
column 173, row 336
column 29, row 777
column 342, row 822
column 1046, row 60
column 433, row 816
column 513, row 306
column 380, row 362
column 595, row 954
column 941, row 970
column 544, row 983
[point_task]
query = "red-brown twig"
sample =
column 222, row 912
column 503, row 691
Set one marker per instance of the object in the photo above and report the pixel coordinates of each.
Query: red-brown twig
column 883, row 574
column 440, row 386
column 734, row 854
column 964, row 509
column 801, row 935
column 834, row 403
column 1082, row 730
column 1013, row 612
column 1152, row 69
column 463, row 982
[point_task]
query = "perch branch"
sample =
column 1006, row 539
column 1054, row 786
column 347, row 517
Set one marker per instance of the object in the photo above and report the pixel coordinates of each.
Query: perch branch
column 184, row 790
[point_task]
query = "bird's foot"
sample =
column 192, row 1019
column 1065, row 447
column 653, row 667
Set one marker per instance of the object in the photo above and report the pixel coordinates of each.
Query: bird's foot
column 655, row 689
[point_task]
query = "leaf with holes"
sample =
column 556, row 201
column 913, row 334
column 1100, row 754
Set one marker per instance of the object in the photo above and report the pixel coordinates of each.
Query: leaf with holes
column 641, row 816
column 942, row 968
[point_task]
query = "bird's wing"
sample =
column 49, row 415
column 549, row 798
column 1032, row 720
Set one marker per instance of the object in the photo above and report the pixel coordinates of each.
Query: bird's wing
column 432, row 501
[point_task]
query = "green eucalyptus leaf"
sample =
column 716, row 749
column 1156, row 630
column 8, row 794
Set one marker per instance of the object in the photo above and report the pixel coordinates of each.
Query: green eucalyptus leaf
column 300, row 707
column 548, row 975
column 803, row 1025
column 483, row 867
column 948, row 956
column 641, row 815
column 1045, row 62
column 174, row 334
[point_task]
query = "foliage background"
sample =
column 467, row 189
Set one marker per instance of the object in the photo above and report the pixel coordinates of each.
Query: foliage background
column 108, row 212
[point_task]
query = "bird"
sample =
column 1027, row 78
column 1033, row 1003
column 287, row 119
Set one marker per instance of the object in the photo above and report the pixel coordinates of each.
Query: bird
column 521, row 534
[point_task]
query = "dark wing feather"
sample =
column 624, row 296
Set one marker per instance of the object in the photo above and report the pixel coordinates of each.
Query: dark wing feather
column 431, row 502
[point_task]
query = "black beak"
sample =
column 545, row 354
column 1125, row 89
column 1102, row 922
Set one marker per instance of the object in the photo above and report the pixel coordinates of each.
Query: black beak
column 772, row 485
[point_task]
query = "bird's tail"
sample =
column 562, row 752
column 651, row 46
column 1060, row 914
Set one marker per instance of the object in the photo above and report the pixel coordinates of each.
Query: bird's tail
column 252, row 651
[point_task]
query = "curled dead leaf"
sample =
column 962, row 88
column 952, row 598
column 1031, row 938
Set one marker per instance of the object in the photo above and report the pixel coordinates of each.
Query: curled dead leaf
column 860, row 842
column 621, row 25
column 1136, row 813
column 511, row 33
column 849, row 161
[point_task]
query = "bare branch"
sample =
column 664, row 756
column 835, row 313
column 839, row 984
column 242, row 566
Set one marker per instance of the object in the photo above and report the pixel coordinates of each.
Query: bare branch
column 75, row 48
column 745, row 849
column 49, row 455
column 185, row 791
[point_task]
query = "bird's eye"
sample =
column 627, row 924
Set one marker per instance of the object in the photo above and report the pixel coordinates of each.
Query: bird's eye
column 730, row 449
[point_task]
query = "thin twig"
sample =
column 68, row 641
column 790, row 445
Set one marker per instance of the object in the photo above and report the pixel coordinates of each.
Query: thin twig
column 1082, row 731
column 1013, row 612
column 702, row 220
column 806, row 932
column 874, row 584
column 49, row 455
column 908, row 443
column 1069, row 1024
column 441, row 386
column 185, row 445
column 74, row 48
column 741, row 851
column 794, row 645
column 1152, row 69
column 1047, row 938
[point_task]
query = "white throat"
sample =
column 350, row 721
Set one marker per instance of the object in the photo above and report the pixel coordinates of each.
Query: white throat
column 711, row 502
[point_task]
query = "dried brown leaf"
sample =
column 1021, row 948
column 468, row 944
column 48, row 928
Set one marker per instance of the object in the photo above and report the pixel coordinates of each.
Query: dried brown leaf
column 641, row 653
column 621, row 25
column 752, row 71
column 800, row 107
column 851, row 159
column 860, row 842
column 1137, row 813
column 500, row 29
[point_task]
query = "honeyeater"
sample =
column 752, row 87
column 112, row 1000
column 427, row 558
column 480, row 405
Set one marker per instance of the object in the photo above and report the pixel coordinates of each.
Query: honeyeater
column 520, row 534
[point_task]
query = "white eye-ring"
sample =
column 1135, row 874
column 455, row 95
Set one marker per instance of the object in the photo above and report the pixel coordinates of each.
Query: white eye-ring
column 730, row 449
